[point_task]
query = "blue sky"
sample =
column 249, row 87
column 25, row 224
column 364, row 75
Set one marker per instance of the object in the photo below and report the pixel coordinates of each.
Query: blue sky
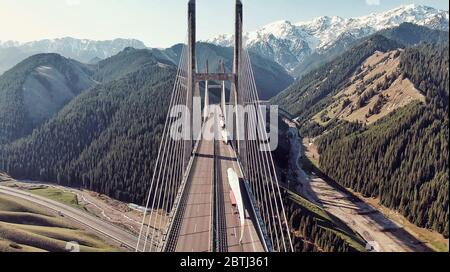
column 161, row 23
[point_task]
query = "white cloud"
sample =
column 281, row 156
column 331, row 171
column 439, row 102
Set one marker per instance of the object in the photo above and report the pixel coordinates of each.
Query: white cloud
column 373, row 2
column 73, row 3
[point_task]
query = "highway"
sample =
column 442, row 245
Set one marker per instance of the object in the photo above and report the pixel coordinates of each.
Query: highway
column 89, row 221
column 207, row 184
column 195, row 232
column 251, row 241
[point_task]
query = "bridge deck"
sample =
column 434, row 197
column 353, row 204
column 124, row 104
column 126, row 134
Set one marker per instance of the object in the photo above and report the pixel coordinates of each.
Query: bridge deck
column 251, row 241
column 195, row 233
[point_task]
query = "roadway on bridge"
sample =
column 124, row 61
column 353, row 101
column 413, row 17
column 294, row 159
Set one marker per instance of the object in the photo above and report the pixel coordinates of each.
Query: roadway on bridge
column 251, row 241
column 196, row 228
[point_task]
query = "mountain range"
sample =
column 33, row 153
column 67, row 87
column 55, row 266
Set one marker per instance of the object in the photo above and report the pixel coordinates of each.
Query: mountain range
column 386, row 96
column 37, row 88
column 82, row 50
column 92, row 115
column 295, row 46
column 290, row 44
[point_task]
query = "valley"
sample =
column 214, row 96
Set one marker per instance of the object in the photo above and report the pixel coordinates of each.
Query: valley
column 407, row 235
column 361, row 165
column 381, row 233
column 361, row 130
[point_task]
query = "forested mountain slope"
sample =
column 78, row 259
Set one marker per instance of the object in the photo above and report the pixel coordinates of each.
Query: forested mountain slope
column 410, row 34
column 126, row 62
column 403, row 158
column 36, row 89
column 313, row 92
column 406, row 34
column 105, row 140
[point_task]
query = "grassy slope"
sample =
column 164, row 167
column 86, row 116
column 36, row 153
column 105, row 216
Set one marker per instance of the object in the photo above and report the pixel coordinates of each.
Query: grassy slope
column 327, row 221
column 58, row 195
column 25, row 227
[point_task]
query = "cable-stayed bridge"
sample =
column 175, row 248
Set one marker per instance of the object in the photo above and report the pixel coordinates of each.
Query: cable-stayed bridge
column 215, row 187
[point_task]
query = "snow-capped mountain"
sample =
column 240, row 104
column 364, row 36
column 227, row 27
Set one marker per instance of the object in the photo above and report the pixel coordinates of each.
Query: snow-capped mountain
column 289, row 43
column 8, row 44
column 80, row 49
column 12, row 52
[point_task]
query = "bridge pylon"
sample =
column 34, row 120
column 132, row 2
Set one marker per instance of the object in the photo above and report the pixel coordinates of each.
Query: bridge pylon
column 190, row 187
column 194, row 77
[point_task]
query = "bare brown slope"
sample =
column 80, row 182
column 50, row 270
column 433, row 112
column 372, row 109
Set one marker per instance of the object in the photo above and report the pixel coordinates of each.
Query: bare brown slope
column 376, row 89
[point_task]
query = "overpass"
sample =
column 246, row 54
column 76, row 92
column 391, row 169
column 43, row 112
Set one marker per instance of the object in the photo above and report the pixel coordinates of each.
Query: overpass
column 214, row 187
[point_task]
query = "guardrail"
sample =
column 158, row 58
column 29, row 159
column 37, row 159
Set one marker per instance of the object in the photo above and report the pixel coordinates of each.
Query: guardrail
column 214, row 213
column 220, row 226
column 261, row 225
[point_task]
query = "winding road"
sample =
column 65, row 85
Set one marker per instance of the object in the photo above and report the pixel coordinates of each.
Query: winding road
column 96, row 224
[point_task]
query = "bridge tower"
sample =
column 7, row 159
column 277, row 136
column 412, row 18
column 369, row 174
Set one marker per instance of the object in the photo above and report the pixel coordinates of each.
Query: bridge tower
column 237, row 134
column 194, row 77
column 191, row 82
column 206, row 107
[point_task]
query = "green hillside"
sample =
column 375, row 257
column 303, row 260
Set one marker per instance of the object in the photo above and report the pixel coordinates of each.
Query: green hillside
column 37, row 88
column 105, row 139
column 408, row 165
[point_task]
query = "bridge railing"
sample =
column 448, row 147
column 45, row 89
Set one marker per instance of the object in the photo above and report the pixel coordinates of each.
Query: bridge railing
column 180, row 195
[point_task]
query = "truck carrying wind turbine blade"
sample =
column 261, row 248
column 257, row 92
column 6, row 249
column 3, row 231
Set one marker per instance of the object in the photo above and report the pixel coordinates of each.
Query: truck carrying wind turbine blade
column 234, row 181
